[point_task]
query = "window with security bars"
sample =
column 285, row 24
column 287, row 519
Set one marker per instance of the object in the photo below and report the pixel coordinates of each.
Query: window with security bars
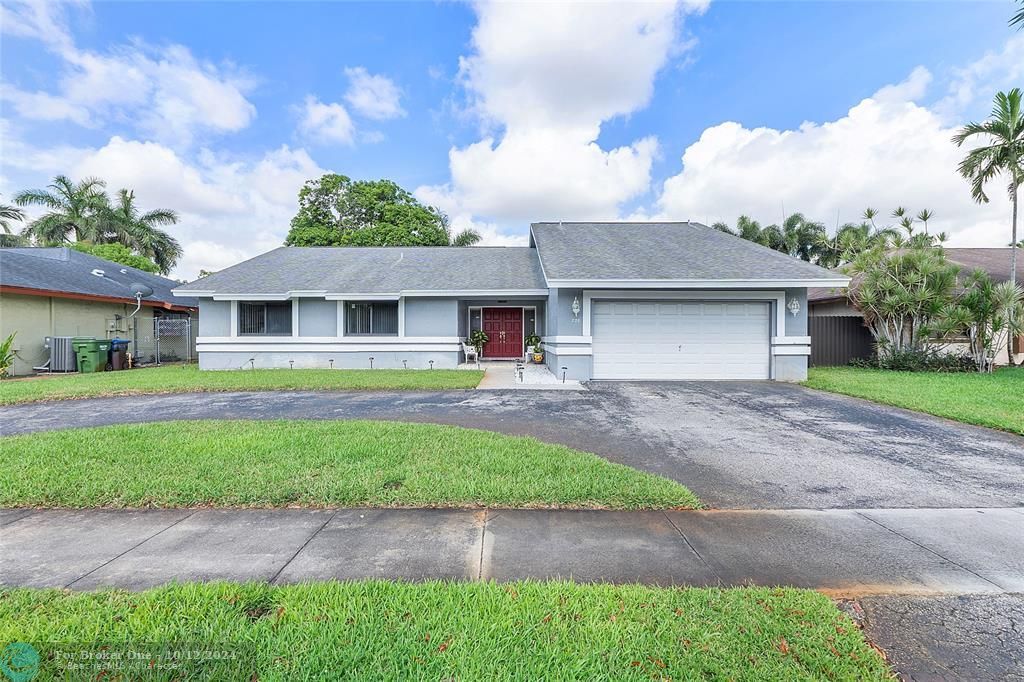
column 371, row 319
column 266, row 319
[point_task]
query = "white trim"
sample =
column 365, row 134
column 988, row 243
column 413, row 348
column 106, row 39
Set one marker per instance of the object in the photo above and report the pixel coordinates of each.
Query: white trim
column 295, row 318
column 401, row 317
column 351, row 344
column 234, row 319
column 568, row 350
column 791, row 340
column 695, row 283
column 378, row 296
column 567, row 339
column 329, row 348
column 490, row 293
column 362, row 297
column 341, row 319
column 252, row 297
column 777, row 297
column 193, row 293
column 791, row 350
column 257, row 340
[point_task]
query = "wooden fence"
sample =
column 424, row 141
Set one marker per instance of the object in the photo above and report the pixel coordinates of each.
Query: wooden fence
column 837, row 340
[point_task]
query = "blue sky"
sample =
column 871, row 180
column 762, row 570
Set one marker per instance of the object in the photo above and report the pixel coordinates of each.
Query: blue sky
column 500, row 114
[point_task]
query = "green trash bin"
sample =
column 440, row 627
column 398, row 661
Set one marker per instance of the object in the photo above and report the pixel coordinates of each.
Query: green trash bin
column 91, row 354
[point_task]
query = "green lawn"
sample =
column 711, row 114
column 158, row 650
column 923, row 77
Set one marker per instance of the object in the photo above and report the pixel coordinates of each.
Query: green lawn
column 995, row 400
column 314, row 463
column 188, row 378
column 446, row 631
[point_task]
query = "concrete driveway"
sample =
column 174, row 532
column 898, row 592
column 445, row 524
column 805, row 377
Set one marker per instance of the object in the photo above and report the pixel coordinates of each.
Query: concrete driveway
column 740, row 445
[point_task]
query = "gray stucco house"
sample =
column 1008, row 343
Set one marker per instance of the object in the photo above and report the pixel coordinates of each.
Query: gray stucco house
column 655, row 301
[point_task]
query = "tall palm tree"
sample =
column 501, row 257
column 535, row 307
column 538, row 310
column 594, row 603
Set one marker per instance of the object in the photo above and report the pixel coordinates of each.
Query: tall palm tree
column 140, row 232
column 1003, row 154
column 1018, row 18
column 77, row 210
column 9, row 214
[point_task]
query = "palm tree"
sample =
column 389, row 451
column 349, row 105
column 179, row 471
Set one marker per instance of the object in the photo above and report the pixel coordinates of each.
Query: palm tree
column 1004, row 133
column 9, row 214
column 1018, row 18
column 467, row 237
column 74, row 209
column 139, row 232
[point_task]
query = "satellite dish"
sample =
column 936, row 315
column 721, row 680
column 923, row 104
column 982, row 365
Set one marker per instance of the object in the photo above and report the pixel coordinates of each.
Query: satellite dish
column 140, row 290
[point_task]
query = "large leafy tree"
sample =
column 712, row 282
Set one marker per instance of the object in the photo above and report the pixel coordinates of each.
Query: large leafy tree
column 75, row 211
column 335, row 210
column 141, row 233
column 1000, row 154
column 10, row 214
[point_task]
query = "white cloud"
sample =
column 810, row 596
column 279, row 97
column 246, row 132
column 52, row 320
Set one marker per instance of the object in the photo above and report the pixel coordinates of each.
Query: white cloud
column 972, row 86
column 543, row 78
column 326, row 122
column 42, row 106
column 887, row 151
column 164, row 92
column 230, row 208
column 374, row 96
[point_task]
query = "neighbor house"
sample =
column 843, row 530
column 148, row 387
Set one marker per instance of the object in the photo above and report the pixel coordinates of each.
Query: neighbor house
column 838, row 328
column 62, row 292
column 655, row 301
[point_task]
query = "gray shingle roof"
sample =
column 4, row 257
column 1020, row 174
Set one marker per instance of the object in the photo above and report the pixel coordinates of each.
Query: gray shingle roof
column 378, row 270
column 660, row 251
column 66, row 270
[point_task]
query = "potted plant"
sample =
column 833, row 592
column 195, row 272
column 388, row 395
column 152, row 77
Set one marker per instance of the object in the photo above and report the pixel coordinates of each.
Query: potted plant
column 533, row 348
column 477, row 339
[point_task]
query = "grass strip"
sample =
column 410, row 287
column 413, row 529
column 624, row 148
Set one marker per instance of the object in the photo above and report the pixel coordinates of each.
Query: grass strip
column 440, row 630
column 241, row 463
column 190, row 379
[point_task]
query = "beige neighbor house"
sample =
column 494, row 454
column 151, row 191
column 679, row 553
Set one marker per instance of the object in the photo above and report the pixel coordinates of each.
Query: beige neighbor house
column 47, row 292
column 837, row 330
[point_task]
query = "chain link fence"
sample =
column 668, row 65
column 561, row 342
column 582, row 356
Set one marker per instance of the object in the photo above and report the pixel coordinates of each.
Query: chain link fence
column 171, row 339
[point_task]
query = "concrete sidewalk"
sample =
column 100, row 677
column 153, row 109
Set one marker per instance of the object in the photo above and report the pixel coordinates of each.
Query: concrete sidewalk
column 845, row 552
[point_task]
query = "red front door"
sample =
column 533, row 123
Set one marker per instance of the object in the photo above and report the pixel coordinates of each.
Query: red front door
column 504, row 329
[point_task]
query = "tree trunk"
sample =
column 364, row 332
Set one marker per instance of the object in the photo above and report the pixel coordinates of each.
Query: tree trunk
column 1013, row 261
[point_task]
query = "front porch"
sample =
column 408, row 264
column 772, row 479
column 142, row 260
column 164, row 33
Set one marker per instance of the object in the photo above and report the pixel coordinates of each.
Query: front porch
column 508, row 323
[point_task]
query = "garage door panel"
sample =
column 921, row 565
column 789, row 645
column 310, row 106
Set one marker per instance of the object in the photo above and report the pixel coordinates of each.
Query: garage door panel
column 680, row 340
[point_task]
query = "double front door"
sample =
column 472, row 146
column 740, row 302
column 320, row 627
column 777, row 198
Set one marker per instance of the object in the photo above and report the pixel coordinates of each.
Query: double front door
column 504, row 329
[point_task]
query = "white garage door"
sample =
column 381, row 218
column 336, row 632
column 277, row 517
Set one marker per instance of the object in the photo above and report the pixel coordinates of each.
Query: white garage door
column 680, row 340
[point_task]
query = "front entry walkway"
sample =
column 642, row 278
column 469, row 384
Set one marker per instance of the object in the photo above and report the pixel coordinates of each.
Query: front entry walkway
column 844, row 552
column 501, row 375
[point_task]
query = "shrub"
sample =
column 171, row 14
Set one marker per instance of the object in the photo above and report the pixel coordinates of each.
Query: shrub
column 918, row 361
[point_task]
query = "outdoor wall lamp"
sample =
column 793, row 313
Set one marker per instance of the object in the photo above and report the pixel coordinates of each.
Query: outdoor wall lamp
column 575, row 306
column 793, row 306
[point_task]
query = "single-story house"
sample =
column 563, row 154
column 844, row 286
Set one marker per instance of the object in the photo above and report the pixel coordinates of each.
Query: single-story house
column 838, row 328
column 62, row 292
column 655, row 301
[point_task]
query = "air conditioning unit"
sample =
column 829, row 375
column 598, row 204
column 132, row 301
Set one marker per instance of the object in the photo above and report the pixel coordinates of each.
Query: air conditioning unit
column 62, row 355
